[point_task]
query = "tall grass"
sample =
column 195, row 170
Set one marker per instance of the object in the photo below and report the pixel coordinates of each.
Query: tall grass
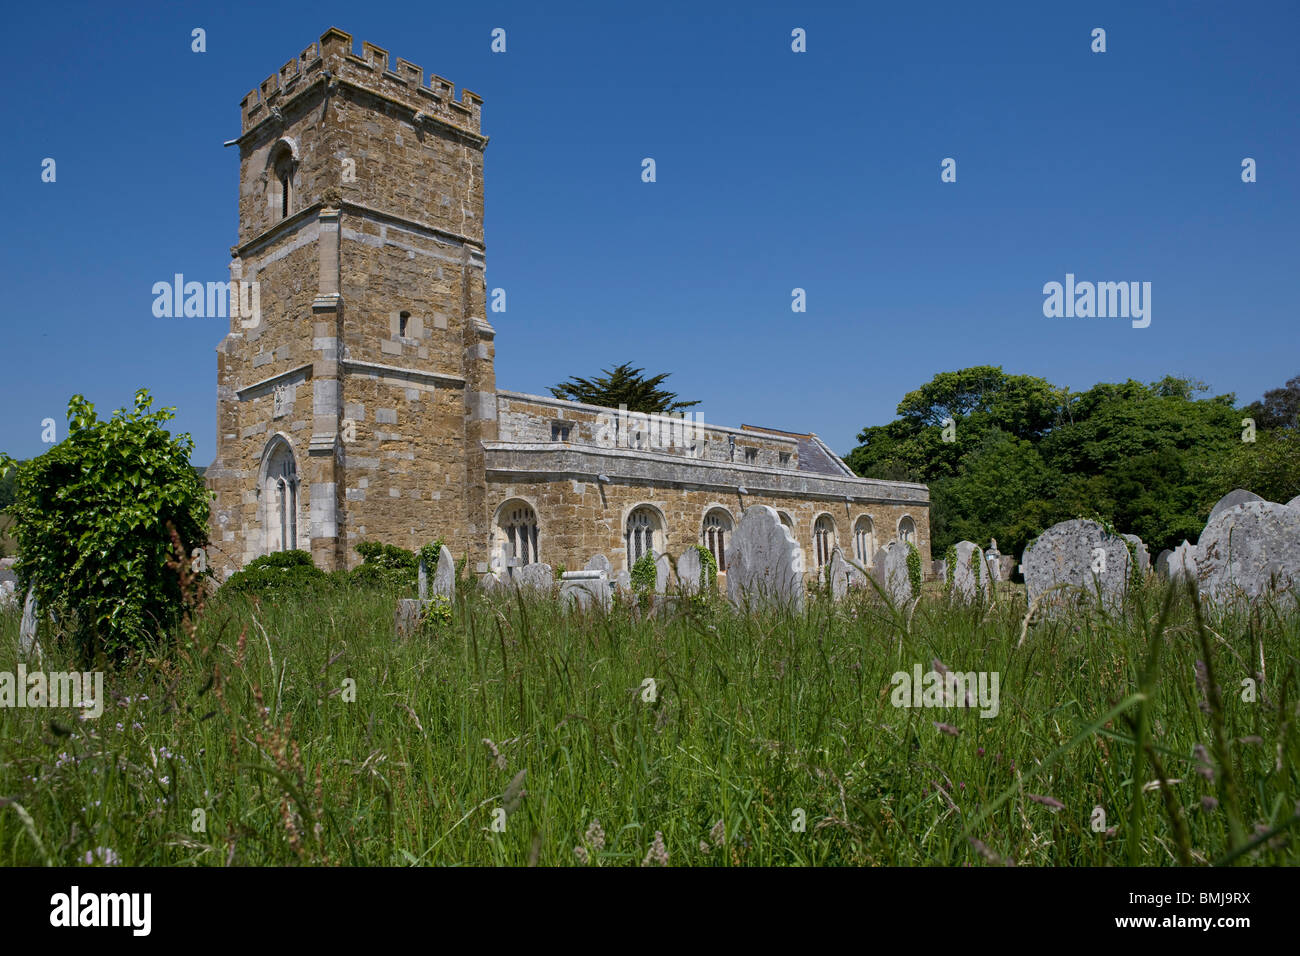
column 753, row 725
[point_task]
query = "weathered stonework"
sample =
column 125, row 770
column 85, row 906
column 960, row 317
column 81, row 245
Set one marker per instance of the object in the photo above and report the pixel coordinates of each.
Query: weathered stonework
column 363, row 404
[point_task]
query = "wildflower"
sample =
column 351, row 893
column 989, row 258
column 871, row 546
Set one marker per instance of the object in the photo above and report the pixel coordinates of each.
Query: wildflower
column 938, row 667
column 102, row 855
column 497, row 758
column 657, row 855
column 1209, row 804
column 718, row 834
column 1206, row 770
column 1050, row 802
column 704, row 847
column 595, row 836
column 947, row 729
column 1203, row 684
column 581, row 853
column 979, row 752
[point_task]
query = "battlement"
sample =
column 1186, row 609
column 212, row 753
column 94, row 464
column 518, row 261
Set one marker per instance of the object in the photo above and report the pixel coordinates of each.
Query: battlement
column 333, row 59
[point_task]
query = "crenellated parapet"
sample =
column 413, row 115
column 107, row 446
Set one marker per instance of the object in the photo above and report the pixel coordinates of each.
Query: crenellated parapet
column 332, row 60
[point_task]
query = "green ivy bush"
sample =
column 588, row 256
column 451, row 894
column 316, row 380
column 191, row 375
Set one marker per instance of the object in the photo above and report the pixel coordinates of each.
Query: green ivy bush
column 708, row 568
column 93, row 519
column 643, row 577
column 386, row 567
column 281, row 571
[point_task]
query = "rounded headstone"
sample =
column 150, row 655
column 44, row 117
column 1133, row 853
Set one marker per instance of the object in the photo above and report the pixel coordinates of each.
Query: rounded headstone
column 1247, row 550
column 764, row 563
column 890, row 570
column 689, row 567
column 970, row 572
column 1232, row 499
column 1082, row 560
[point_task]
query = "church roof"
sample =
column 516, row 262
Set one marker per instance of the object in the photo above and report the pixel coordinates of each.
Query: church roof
column 814, row 457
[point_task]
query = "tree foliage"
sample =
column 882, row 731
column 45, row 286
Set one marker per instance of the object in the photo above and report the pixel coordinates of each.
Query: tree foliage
column 622, row 385
column 92, row 519
column 1008, row 455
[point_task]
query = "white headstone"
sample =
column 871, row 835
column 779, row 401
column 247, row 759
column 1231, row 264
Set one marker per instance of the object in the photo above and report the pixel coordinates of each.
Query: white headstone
column 839, row 571
column 689, row 567
column 444, row 577
column 1238, row 496
column 663, row 573
column 585, row 589
column 890, row 570
column 969, row 563
column 536, row 578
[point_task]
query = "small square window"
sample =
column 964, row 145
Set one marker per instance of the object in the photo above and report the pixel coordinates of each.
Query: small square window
column 751, row 455
column 559, row 432
column 785, row 458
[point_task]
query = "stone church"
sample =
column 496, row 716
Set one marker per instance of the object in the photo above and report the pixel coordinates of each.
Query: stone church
column 360, row 402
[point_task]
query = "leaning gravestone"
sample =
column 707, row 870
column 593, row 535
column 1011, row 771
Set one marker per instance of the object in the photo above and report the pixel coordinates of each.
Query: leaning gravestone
column 599, row 562
column 764, row 562
column 663, row 573
column 585, row 589
column 1082, row 559
column 444, row 578
column 1249, row 549
column 970, row 573
column 1233, row 498
column 890, row 570
column 534, row 578
column 840, row 572
column 422, row 581
column 689, row 567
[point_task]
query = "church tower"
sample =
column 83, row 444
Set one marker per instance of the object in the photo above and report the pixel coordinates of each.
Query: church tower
column 354, row 396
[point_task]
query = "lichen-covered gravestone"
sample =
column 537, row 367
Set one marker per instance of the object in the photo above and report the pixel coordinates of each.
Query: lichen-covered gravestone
column 689, row 567
column 840, row 573
column 1238, row 496
column 27, row 643
column 537, row 579
column 970, row 573
column 1083, row 560
column 444, row 578
column 890, row 570
column 1249, row 549
column 764, row 562
column 599, row 562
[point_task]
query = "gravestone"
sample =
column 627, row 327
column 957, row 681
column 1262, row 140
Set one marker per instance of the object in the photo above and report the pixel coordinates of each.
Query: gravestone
column 8, row 596
column 623, row 584
column 444, row 578
column 536, row 578
column 1139, row 549
column 422, row 581
column 939, row 570
column 599, row 562
column 1182, row 562
column 490, row 583
column 764, row 562
column 585, row 589
column 1233, row 498
column 970, row 573
column 406, row 619
column 7, row 574
column 689, row 567
column 663, row 573
column 27, row 642
column 1294, row 502
column 993, row 560
column 1006, row 567
column 890, row 571
column 1249, row 549
column 1162, row 564
column 840, row 573
column 1083, row 560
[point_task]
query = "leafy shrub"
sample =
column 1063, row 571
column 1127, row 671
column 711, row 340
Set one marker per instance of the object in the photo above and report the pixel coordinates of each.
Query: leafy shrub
column 293, row 570
column 92, row 519
column 435, row 615
column 386, row 566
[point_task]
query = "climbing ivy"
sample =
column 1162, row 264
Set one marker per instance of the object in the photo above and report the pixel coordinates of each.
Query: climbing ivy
column 914, row 568
column 708, row 568
column 644, row 576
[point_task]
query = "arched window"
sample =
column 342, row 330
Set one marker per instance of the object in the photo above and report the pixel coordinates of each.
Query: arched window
column 864, row 540
column 786, row 520
column 717, row 529
column 645, row 533
column 278, row 493
column 823, row 540
column 516, row 534
column 282, row 178
column 907, row 530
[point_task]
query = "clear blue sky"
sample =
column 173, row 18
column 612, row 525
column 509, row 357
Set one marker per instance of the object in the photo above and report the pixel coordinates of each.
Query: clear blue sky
column 775, row 170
